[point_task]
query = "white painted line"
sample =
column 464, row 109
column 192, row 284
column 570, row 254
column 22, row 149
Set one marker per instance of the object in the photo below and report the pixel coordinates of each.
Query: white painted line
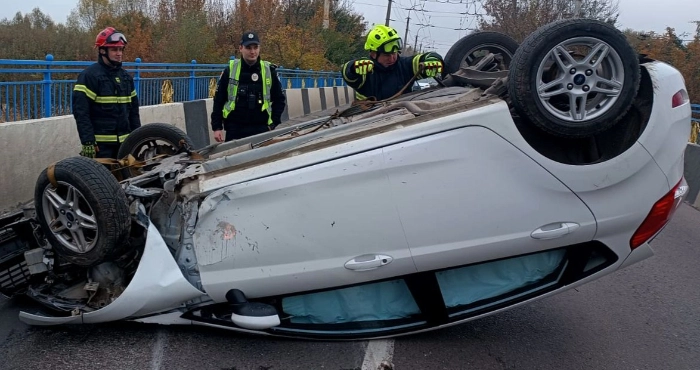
column 159, row 349
column 378, row 351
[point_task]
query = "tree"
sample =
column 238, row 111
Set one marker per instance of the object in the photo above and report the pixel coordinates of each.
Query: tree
column 209, row 31
column 86, row 14
column 519, row 18
column 668, row 47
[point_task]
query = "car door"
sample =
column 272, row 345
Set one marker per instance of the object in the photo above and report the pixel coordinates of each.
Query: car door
column 467, row 195
column 326, row 225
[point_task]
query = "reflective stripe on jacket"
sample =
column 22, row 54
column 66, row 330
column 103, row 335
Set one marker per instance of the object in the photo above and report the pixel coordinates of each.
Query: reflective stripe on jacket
column 105, row 104
column 234, row 77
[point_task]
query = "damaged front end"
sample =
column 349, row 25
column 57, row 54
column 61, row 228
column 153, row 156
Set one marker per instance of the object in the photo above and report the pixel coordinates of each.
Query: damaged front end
column 29, row 265
column 141, row 275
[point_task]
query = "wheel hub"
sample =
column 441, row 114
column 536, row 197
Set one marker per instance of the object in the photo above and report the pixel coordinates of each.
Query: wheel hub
column 580, row 79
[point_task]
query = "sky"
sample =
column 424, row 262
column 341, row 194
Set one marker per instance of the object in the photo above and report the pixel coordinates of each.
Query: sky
column 443, row 15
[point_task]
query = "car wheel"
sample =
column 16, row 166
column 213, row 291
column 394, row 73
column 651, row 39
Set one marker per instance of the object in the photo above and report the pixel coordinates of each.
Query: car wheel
column 469, row 50
column 574, row 78
column 152, row 140
column 82, row 210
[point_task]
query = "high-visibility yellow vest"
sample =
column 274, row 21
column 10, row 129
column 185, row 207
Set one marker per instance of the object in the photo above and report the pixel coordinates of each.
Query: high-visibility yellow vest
column 234, row 68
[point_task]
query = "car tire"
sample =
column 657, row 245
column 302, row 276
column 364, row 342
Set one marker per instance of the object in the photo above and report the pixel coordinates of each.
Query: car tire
column 82, row 210
column 465, row 52
column 578, row 93
column 154, row 139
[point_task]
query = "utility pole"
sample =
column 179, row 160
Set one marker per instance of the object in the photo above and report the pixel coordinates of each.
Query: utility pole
column 388, row 13
column 405, row 35
column 577, row 11
column 415, row 44
column 326, row 10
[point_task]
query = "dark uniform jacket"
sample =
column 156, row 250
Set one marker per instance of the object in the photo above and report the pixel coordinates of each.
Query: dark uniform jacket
column 105, row 104
column 247, row 119
column 384, row 82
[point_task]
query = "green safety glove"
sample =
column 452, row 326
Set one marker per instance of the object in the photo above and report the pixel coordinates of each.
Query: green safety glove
column 89, row 150
column 363, row 66
column 432, row 67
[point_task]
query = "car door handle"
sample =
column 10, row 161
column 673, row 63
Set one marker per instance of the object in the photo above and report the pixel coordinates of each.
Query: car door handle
column 367, row 262
column 554, row 230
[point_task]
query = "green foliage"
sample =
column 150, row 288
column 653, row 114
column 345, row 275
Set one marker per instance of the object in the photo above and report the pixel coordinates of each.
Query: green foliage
column 670, row 48
column 519, row 18
column 208, row 31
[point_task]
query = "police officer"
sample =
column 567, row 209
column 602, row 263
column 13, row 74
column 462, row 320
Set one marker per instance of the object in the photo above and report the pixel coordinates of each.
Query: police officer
column 249, row 98
column 385, row 72
column 105, row 105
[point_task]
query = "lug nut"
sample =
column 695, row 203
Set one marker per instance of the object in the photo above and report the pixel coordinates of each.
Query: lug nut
column 573, row 71
column 63, row 211
column 586, row 88
column 570, row 86
column 589, row 72
column 69, row 224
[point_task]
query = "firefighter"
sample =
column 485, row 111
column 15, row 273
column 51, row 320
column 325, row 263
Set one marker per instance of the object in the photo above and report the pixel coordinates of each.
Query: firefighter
column 385, row 72
column 249, row 98
column 105, row 105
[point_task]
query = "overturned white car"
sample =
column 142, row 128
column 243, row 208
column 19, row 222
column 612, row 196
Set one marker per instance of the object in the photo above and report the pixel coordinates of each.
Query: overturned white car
column 534, row 168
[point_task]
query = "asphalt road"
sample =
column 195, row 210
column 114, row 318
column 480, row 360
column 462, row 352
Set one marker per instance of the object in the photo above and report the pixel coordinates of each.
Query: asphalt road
column 644, row 317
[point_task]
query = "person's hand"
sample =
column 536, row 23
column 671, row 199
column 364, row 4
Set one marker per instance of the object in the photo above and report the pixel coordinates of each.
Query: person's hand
column 363, row 66
column 89, row 150
column 219, row 136
column 432, row 67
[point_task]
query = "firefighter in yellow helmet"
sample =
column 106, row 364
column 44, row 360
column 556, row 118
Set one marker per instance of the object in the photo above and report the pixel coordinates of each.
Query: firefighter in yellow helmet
column 385, row 72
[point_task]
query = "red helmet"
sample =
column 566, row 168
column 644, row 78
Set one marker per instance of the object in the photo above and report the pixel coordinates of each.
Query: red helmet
column 109, row 37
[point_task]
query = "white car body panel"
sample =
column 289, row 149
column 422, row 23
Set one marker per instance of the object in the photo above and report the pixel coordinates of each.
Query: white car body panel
column 324, row 223
column 666, row 140
column 299, row 228
column 158, row 285
column 444, row 186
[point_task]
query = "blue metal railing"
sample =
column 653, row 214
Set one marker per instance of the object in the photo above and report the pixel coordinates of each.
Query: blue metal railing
column 695, row 124
column 44, row 88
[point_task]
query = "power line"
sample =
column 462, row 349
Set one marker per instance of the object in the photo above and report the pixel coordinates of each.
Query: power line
column 446, row 28
column 414, row 9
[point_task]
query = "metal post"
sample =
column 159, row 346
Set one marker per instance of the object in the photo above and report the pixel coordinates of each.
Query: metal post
column 310, row 81
column 47, row 87
column 388, row 13
column 192, row 81
column 296, row 80
column 405, row 35
column 137, row 78
column 326, row 10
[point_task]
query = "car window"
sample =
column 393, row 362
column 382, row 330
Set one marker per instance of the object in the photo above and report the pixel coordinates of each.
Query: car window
column 387, row 300
column 473, row 286
column 382, row 306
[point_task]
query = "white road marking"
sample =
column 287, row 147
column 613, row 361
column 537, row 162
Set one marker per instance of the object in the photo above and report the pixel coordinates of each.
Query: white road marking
column 378, row 351
column 159, row 349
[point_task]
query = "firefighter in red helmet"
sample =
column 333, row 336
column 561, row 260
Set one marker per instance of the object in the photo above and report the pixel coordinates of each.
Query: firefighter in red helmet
column 105, row 105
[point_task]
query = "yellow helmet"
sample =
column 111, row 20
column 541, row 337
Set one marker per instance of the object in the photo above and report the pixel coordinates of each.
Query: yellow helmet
column 383, row 39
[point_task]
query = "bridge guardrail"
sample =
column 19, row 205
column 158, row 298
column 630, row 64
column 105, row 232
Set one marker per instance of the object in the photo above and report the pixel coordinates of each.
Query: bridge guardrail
column 695, row 123
column 45, row 87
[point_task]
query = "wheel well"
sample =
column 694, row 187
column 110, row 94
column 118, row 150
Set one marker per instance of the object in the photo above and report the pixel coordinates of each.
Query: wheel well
column 598, row 148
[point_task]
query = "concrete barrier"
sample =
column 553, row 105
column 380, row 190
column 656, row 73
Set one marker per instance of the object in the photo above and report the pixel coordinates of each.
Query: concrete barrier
column 692, row 174
column 30, row 146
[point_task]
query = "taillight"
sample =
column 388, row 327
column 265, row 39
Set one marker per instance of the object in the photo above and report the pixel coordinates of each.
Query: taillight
column 660, row 214
column 679, row 99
